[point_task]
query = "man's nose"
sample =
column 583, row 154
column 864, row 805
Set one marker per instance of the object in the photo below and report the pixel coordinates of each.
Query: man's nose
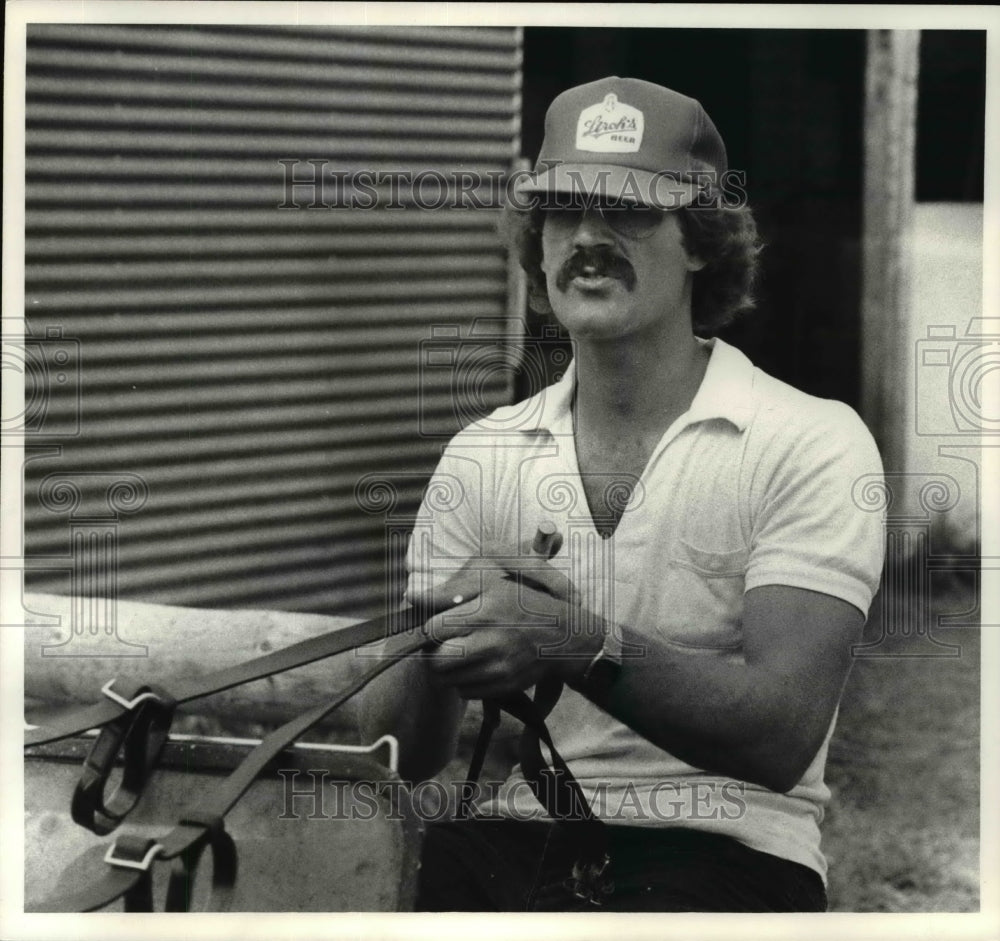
column 592, row 229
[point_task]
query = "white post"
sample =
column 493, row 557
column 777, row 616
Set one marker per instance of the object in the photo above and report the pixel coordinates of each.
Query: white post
column 890, row 137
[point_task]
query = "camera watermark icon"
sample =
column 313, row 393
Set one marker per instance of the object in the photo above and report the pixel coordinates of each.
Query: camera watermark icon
column 464, row 378
column 95, row 504
column 911, row 504
column 48, row 366
column 396, row 497
column 443, row 583
column 444, row 572
column 956, row 370
column 444, row 576
column 392, row 495
column 589, row 555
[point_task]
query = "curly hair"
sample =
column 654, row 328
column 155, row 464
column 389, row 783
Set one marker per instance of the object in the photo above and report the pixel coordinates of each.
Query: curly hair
column 725, row 238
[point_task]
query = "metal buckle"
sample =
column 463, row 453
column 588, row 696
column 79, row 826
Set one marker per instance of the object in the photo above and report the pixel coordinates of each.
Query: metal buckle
column 143, row 864
column 122, row 701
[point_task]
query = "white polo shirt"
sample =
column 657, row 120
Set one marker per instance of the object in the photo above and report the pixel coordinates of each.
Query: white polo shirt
column 756, row 484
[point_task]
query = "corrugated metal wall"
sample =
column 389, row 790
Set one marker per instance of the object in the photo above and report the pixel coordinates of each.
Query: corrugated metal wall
column 243, row 368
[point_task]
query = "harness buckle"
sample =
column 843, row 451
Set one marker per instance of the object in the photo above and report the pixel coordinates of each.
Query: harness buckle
column 126, row 863
column 127, row 704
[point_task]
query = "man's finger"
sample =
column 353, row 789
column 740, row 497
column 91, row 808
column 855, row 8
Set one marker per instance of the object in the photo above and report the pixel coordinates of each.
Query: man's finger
column 459, row 658
column 475, row 678
column 452, row 623
column 464, row 585
column 539, row 574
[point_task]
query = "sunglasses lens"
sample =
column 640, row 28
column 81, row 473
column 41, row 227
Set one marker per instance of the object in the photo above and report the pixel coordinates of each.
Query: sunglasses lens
column 635, row 222
column 632, row 221
column 564, row 217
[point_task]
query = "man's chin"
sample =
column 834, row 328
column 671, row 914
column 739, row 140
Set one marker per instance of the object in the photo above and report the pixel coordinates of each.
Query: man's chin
column 591, row 321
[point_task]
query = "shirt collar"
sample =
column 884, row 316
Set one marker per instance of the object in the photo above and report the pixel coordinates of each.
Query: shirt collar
column 555, row 411
column 725, row 392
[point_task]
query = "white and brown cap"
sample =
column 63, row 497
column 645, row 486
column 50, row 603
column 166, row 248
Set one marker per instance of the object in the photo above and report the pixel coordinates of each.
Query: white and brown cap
column 629, row 140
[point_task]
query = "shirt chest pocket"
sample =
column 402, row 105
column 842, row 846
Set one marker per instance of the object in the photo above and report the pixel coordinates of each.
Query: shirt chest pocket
column 703, row 596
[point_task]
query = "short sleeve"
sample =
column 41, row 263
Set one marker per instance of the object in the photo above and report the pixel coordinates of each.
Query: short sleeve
column 810, row 525
column 449, row 528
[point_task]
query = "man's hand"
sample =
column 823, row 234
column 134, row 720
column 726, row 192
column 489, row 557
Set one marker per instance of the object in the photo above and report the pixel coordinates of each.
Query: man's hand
column 512, row 622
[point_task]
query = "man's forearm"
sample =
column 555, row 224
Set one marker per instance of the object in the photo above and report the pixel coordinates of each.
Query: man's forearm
column 758, row 713
column 424, row 717
column 708, row 708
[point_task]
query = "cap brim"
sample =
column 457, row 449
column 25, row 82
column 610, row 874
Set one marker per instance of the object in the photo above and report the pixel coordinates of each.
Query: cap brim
column 604, row 181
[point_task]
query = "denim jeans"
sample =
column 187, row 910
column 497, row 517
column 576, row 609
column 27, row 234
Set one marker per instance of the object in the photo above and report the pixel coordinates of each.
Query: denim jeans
column 515, row 865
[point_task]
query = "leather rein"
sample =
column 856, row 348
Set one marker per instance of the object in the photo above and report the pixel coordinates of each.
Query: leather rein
column 134, row 722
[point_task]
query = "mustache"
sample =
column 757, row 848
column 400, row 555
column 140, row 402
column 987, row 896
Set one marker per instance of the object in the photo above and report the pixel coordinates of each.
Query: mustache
column 596, row 261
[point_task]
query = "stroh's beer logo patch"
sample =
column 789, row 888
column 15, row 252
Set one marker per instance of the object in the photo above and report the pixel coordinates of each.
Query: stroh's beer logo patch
column 611, row 127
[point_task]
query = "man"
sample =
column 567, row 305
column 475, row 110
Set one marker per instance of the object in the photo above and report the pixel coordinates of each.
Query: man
column 714, row 569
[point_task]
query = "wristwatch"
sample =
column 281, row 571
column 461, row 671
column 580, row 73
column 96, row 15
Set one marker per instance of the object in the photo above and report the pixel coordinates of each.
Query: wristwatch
column 603, row 671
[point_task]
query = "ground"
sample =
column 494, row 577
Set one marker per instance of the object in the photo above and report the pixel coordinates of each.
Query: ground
column 902, row 830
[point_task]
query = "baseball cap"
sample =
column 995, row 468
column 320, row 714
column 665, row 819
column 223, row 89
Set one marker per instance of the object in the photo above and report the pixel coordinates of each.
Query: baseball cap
column 629, row 140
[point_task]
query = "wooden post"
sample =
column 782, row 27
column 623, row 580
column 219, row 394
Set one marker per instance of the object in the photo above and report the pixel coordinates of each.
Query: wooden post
column 890, row 132
column 186, row 642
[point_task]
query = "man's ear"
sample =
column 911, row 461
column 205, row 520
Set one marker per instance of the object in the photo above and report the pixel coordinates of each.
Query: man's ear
column 694, row 263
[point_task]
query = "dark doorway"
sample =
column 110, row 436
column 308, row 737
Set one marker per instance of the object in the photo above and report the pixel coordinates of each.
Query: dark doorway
column 789, row 105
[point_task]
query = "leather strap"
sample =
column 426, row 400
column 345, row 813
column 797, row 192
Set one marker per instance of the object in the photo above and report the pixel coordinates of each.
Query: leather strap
column 139, row 736
column 555, row 788
column 563, row 798
column 76, row 721
column 558, row 791
column 224, row 866
column 202, row 823
column 125, row 871
column 489, row 724
column 135, row 719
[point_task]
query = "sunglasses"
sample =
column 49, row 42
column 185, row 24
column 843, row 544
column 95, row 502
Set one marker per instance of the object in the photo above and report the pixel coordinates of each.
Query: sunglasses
column 626, row 219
